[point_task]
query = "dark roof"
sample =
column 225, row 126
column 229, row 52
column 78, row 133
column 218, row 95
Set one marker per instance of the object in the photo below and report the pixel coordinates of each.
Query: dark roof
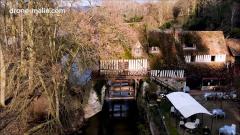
column 234, row 46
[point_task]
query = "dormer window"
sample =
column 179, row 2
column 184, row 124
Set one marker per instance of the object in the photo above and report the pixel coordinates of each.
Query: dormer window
column 189, row 46
column 189, row 41
column 154, row 50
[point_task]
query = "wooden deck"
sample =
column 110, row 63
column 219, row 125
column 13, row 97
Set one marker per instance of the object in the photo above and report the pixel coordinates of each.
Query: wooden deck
column 121, row 89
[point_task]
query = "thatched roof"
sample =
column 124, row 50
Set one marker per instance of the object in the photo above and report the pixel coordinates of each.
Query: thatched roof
column 207, row 42
column 234, row 46
column 207, row 69
column 171, row 53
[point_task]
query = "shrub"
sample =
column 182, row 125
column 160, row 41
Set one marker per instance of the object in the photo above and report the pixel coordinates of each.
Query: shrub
column 134, row 19
column 235, row 33
column 196, row 24
column 127, row 54
column 142, row 129
column 167, row 25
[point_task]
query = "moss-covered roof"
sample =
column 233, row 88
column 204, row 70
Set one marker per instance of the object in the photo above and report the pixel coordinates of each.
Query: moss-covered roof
column 172, row 52
column 207, row 70
column 207, row 42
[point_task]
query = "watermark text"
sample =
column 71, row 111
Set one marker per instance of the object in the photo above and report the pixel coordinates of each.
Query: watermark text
column 37, row 11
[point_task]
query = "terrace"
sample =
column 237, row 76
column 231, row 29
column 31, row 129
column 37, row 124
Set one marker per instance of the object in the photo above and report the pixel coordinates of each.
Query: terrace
column 174, row 120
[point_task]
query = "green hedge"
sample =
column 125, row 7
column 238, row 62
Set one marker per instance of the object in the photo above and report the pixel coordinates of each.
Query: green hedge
column 134, row 19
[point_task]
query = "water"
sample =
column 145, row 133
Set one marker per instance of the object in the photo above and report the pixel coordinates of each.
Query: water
column 117, row 118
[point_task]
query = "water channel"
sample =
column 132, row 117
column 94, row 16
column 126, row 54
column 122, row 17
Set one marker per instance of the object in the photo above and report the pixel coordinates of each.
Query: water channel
column 116, row 118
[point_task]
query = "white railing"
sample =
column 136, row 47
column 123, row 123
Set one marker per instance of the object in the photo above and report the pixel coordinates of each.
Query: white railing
column 124, row 67
column 187, row 58
column 167, row 73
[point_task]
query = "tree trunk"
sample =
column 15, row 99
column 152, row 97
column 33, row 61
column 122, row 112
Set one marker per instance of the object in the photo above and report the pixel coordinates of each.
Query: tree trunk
column 2, row 78
column 232, row 17
column 21, row 42
column 5, row 24
column 31, row 50
column 2, row 62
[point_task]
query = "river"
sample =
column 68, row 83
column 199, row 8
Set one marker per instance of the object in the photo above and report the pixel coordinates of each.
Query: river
column 116, row 118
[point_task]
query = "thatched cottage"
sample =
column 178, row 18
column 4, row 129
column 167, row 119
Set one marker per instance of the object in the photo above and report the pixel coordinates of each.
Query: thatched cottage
column 203, row 54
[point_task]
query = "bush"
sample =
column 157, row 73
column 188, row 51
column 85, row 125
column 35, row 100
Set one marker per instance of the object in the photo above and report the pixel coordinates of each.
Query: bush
column 151, row 91
column 127, row 54
column 196, row 24
column 142, row 129
column 167, row 25
column 134, row 19
column 235, row 33
column 236, row 82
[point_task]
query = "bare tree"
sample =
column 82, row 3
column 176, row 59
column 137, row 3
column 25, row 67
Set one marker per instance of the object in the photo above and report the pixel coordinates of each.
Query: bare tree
column 31, row 48
column 2, row 77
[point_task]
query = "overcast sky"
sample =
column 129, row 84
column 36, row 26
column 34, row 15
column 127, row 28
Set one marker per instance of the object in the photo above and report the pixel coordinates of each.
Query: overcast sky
column 95, row 2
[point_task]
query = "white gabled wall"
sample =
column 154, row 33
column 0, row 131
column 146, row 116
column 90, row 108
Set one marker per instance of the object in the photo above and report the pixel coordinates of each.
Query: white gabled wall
column 220, row 58
column 206, row 58
column 203, row 58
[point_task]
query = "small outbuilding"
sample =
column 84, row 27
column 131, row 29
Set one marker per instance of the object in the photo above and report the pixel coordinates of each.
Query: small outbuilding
column 137, row 50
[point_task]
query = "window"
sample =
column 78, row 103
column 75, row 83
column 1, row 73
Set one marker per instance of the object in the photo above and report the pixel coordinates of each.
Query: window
column 189, row 45
column 212, row 58
column 193, row 58
column 137, row 50
column 154, row 49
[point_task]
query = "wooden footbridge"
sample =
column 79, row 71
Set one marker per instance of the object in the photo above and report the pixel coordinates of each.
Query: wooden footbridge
column 124, row 75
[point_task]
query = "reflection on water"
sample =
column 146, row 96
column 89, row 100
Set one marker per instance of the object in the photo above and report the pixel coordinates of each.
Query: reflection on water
column 117, row 118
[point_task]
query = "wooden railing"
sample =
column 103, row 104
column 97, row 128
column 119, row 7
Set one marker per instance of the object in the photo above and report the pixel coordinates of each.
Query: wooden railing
column 163, row 84
column 177, row 74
